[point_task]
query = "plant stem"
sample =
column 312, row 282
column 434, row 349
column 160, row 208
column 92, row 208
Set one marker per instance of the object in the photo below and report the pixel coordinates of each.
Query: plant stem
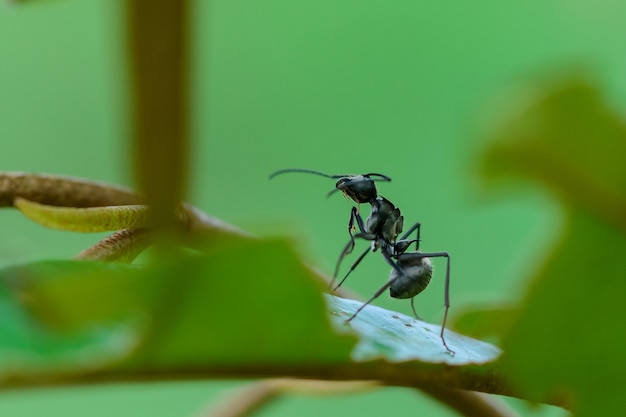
column 158, row 54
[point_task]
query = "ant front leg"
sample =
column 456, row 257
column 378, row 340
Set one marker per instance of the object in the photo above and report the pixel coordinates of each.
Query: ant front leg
column 352, row 268
column 355, row 216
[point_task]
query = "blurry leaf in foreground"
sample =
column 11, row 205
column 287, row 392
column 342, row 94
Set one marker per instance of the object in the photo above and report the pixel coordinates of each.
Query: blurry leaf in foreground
column 485, row 321
column 246, row 308
column 247, row 302
column 37, row 343
column 568, row 337
column 565, row 136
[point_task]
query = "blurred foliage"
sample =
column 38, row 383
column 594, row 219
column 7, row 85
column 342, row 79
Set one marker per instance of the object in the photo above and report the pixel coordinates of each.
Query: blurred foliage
column 566, row 338
column 178, row 319
column 251, row 307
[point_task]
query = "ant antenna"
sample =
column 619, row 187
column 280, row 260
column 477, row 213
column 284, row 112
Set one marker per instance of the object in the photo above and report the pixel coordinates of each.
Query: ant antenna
column 380, row 177
column 305, row 171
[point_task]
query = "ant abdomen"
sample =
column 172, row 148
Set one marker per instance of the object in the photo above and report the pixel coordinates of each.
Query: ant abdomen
column 416, row 277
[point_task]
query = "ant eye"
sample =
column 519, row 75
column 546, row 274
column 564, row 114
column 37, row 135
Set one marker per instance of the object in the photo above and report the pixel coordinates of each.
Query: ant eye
column 341, row 182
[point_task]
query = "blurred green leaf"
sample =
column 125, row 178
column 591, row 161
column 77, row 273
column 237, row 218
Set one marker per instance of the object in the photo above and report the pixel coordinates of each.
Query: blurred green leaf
column 485, row 321
column 247, row 303
column 564, row 135
column 87, row 220
column 566, row 341
column 247, row 307
column 35, row 342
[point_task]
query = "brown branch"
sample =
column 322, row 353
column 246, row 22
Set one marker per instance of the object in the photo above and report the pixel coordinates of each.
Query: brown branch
column 482, row 378
column 57, row 190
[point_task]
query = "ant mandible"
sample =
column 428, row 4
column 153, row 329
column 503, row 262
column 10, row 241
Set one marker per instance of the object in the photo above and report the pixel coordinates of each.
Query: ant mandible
column 411, row 271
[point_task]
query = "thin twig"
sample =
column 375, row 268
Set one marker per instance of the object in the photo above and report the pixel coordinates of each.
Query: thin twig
column 246, row 401
column 250, row 399
column 122, row 246
column 57, row 190
column 470, row 403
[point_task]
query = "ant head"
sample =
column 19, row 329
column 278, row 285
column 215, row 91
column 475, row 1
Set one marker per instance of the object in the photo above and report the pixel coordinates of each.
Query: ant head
column 360, row 188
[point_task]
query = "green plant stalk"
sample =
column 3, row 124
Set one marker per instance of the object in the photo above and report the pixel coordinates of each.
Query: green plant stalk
column 157, row 39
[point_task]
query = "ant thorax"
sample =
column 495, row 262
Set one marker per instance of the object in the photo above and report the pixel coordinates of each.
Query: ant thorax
column 385, row 220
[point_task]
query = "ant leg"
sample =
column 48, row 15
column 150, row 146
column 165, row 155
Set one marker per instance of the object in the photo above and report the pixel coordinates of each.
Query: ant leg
column 446, row 297
column 413, row 308
column 354, row 216
column 383, row 288
column 346, row 250
column 359, row 221
column 416, row 227
column 375, row 296
column 354, row 265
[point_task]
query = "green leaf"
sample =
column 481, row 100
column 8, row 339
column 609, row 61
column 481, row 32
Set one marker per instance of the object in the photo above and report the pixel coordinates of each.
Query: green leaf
column 565, row 136
column 252, row 303
column 567, row 340
column 87, row 220
column 34, row 341
column 485, row 320
column 246, row 303
column 392, row 336
column 246, row 308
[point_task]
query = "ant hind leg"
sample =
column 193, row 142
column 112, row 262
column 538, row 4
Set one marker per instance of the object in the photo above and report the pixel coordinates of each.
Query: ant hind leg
column 415, row 228
column 413, row 308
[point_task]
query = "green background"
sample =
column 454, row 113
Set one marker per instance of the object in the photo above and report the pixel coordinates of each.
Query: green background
column 401, row 88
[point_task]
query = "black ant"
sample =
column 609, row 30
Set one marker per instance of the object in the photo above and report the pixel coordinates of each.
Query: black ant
column 411, row 271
